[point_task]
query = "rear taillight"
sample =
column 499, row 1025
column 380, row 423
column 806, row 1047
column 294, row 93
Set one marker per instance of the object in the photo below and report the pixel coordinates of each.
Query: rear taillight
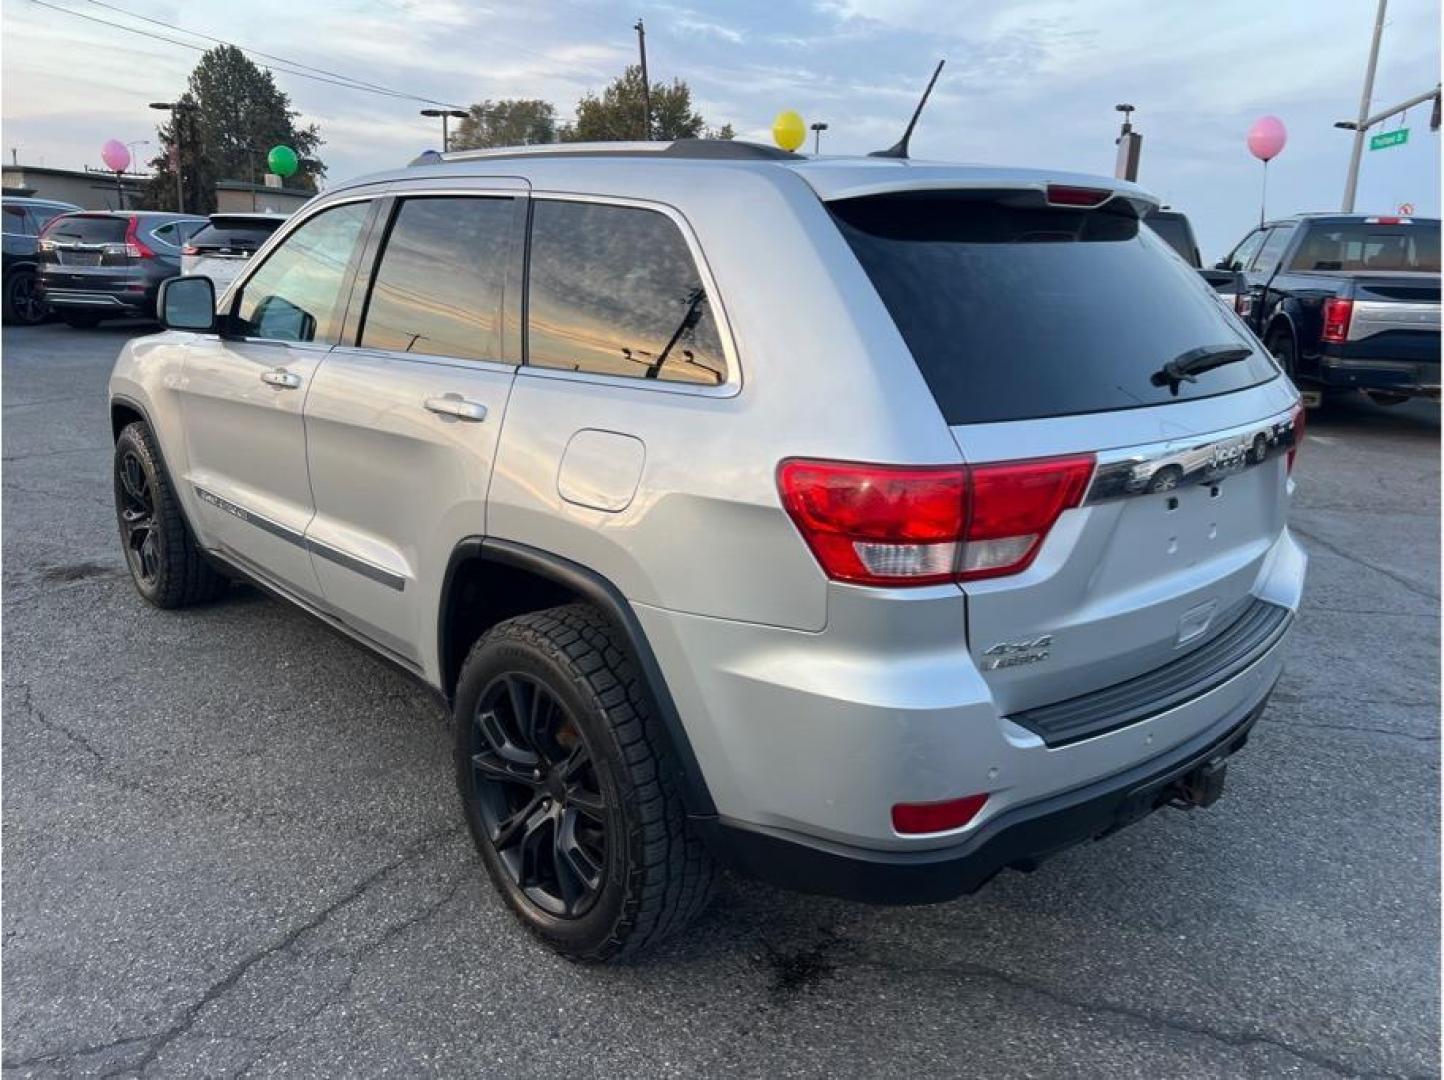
column 898, row 525
column 190, row 249
column 1067, row 195
column 135, row 247
column 1337, row 314
column 936, row 816
column 1297, row 420
column 1240, row 303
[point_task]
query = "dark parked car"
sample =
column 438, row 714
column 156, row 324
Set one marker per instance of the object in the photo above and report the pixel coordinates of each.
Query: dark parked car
column 24, row 218
column 109, row 264
column 1346, row 301
column 1175, row 230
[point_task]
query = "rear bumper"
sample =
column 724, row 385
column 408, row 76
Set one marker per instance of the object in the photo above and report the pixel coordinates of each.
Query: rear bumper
column 122, row 299
column 1019, row 838
column 1395, row 376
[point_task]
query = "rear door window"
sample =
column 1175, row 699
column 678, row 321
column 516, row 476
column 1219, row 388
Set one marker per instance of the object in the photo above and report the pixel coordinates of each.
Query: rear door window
column 17, row 221
column 438, row 288
column 614, row 290
column 1014, row 312
column 1273, row 249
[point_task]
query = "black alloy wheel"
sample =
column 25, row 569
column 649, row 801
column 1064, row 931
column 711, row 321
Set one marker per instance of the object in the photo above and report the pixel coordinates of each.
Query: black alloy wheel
column 538, row 795
column 23, row 305
column 139, row 534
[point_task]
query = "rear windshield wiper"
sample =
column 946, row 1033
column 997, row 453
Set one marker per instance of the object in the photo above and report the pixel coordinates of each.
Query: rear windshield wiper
column 1186, row 366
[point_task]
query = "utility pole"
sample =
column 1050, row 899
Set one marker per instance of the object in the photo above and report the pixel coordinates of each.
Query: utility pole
column 646, row 86
column 1351, row 185
column 1130, row 146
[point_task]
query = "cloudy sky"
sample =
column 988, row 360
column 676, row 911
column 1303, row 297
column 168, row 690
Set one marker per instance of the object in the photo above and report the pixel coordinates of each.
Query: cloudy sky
column 1029, row 82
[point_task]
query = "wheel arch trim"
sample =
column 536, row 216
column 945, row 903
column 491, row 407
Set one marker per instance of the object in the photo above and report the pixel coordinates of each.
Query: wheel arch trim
column 595, row 589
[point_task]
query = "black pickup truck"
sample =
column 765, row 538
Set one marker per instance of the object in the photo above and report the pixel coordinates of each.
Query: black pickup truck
column 1346, row 301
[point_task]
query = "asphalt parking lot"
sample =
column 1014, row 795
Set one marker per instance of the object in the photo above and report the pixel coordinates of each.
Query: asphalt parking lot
column 231, row 845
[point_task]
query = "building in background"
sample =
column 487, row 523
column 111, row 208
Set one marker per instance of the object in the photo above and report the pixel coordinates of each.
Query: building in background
column 93, row 189
column 241, row 197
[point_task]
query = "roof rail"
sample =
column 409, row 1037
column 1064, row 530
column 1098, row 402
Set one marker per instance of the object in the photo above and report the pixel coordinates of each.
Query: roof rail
column 691, row 149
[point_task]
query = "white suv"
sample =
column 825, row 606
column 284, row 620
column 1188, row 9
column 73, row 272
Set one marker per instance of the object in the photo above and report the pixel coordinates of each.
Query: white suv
column 750, row 510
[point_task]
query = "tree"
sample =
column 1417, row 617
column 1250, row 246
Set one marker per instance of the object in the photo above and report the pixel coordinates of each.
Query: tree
column 619, row 113
column 229, row 117
column 508, row 122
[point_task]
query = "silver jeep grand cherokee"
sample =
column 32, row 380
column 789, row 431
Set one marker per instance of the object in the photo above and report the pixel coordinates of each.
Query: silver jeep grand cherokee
column 866, row 526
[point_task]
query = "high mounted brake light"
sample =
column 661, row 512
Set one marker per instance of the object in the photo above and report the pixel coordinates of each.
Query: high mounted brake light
column 1065, row 195
column 895, row 525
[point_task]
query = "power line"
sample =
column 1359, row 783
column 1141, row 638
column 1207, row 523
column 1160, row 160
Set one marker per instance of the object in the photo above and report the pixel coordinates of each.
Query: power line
column 256, row 52
column 344, row 82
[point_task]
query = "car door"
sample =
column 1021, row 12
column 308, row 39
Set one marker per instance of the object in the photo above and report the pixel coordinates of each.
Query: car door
column 1260, row 274
column 242, row 395
column 1238, row 261
column 402, row 419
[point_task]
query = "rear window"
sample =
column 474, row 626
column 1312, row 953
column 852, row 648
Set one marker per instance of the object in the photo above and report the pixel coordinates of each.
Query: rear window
column 1176, row 234
column 78, row 228
column 1016, row 312
column 1360, row 246
column 234, row 235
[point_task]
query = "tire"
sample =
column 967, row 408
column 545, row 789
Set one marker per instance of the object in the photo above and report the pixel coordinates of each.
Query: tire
column 576, row 813
column 1166, row 479
column 80, row 320
column 165, row 562
column 1281, row 344
column 1381, row 397
column 23, row 306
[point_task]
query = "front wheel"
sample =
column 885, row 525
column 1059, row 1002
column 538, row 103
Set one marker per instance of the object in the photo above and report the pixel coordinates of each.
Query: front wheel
column 568, row 783
column 165, row 562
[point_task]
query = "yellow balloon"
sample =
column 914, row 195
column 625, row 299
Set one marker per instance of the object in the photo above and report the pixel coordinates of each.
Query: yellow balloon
column 789, row 130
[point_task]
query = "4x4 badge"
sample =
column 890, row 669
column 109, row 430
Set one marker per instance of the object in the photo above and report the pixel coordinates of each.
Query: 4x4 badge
column 1014, row 653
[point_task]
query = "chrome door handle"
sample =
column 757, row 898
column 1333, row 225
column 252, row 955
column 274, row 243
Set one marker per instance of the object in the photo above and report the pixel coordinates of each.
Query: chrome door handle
column 458, row 407
column 281, row 380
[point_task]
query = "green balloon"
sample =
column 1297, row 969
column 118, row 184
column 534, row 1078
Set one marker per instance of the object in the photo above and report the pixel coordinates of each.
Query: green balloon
column 282, row 160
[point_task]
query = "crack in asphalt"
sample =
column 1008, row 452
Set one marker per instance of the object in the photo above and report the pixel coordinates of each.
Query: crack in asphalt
column 1393, row 575
column 1239, row 1040
column 156, row 1042
column 57, row 453
column 355, row 961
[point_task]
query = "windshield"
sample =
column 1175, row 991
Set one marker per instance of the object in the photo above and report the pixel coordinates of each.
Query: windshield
column 1016, row 312
column 1362, row 246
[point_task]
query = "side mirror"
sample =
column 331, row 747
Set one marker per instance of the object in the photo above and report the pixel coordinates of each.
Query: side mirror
column 188, row 303
column 1222, row 264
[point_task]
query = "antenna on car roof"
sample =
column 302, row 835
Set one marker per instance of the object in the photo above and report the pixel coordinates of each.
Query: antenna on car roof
column 899, row 149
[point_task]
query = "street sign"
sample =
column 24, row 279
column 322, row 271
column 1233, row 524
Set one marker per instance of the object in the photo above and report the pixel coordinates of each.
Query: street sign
column 1397, row 137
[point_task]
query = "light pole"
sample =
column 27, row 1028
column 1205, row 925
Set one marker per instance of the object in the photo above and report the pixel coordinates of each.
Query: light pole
column 817, row 130
column 179, row 108
column 444, row 114
column 1361, row 125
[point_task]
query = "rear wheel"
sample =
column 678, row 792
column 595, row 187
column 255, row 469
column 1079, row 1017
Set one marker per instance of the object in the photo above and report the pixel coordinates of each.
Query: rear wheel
column 165, row 562
column 81, row 320
column 567, row 782
column 1281, row 344
column 23, row 305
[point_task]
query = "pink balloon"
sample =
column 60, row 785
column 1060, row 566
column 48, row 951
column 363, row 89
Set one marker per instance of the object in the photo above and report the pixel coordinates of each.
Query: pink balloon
column 1267, row 137
column 115, row 155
